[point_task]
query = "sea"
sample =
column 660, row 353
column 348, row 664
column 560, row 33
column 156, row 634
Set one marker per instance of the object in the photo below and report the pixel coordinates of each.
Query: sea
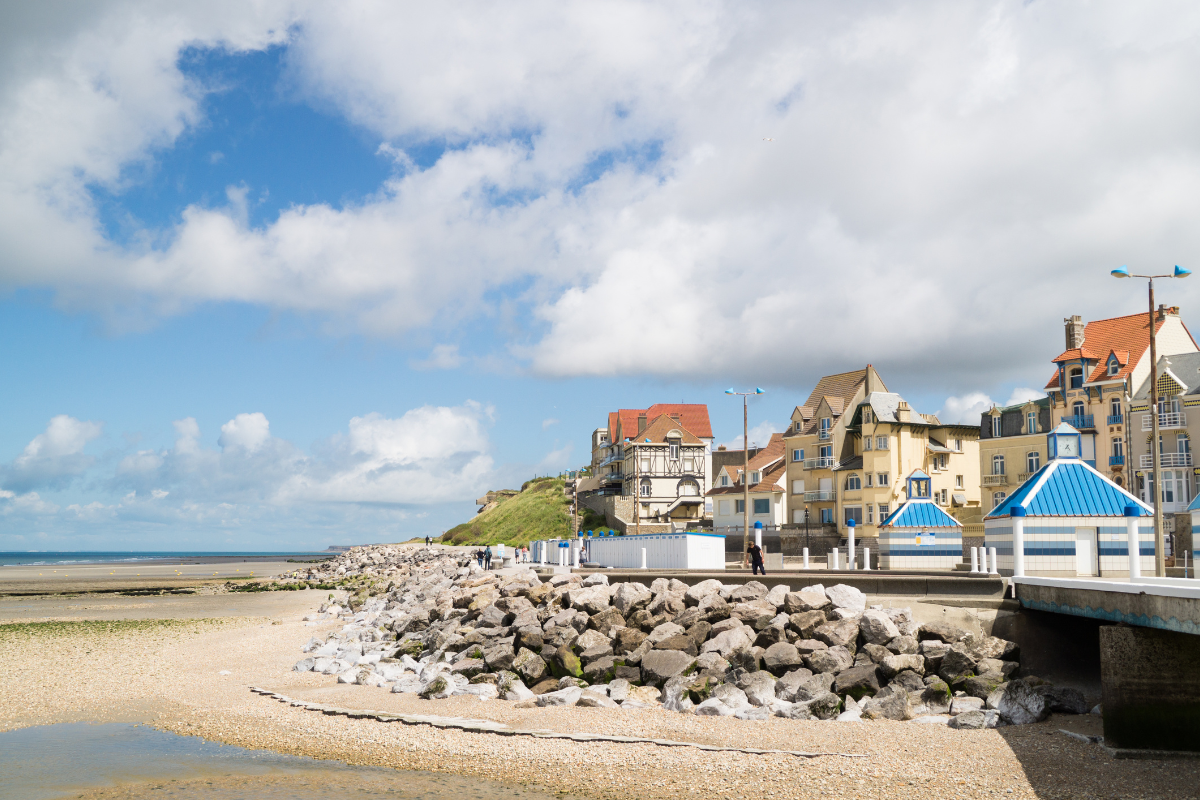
column 49, row 558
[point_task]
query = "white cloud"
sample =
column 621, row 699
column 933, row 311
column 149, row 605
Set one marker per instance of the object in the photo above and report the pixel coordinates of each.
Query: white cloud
column 55, row 457
column 967, row 408
column 920, row 151
column 546, row 423
column 443, row 356
column 246, row 432
column 556, row 460
column 1023, row 395
column 760, row 434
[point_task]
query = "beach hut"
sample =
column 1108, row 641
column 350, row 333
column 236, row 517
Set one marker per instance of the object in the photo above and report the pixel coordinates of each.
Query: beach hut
column 1072, row 520
column 919, row 534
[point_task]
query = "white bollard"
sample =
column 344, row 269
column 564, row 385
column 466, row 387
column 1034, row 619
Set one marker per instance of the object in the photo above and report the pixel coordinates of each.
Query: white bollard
column 1134, row 543
column 575, row 557
column 545, row 553
column 1018, row 523
column 836, row 559
column 806, row 558
column 866, row 558
column 974, row 560
column 850, row 547
column 643, row 558
column 995, row 570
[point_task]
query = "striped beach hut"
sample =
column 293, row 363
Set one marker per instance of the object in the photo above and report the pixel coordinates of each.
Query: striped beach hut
column 1072, row 520
column 919, row 534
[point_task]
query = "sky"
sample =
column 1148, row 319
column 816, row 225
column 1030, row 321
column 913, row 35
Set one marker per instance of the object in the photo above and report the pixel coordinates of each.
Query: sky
column 282, row 274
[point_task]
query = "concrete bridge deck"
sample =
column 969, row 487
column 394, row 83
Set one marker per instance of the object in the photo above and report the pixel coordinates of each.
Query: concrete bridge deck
column 1169, row 604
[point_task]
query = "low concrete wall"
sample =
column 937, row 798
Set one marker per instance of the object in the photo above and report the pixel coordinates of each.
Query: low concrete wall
column 1151, row 687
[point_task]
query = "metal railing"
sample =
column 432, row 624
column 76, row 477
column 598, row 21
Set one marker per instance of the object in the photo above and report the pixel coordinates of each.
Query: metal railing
column 824, row 435
column 1115, row 419
column 820, row 496
column 1174, row 419
column 1168, row 460
column 824, row 462
column 1080, row 421
column 995, row 480
column 1116, row 461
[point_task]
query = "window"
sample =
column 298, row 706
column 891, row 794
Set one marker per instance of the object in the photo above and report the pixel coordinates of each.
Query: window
column 1113, row 367
column 674, row 447
column 958, row 481
column 688, row 465
column 1118, row 446
column 958, row 445
column 882, row 479
column 1077, row 408
column 826, row 516
column 883, row 512
column 688, row 489
column 998, row 498
column 870, row 514
column 645, row 488
column 870, row 480
column 996, row 426
column 1031, row 422
column 945, row 497
column 945, row 461
column 1076, row 376
column 866, row 443
column 827, row 452
column 723, row 507
column 739, row 506
column 866, row 415
column 997, row 465
column 797, row 487
column 645, row 465
column 724, row 480
column 797, row 455
column 1182, row 443
column 755, row 477
column 881, row 443
column 826, row 424
column 1114, row 406
column 854, row 513
column 853, row 483
column 1033, row 461
column 762, row 505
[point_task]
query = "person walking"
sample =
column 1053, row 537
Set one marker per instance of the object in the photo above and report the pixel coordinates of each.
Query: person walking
column 755, row 553
column 479, row 557
column 487, row 557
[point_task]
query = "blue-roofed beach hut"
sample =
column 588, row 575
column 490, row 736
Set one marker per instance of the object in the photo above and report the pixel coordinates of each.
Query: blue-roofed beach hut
column 1074, row 521
column 919, row 534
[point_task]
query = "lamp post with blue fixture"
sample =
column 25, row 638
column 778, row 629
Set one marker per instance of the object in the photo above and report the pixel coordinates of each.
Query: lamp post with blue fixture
column 1160, row 563
column 745, row 464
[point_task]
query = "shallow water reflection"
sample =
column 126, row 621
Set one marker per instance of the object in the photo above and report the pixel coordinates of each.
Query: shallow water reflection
column 136, row 761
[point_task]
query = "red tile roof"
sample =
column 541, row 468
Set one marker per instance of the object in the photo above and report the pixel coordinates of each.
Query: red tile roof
column 772, row 452
column 1128, row 336
column 658, row 429
column 623, row 423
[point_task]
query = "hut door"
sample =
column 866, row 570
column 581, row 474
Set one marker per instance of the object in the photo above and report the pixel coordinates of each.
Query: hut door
column 1085, row 551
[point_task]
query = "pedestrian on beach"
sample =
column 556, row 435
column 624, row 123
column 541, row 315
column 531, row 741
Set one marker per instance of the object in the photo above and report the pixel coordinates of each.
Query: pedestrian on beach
column 756, row 559
column 479, row 557
column 487, row 557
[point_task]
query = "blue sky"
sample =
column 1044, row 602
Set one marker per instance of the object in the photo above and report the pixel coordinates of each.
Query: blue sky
column 282, row 277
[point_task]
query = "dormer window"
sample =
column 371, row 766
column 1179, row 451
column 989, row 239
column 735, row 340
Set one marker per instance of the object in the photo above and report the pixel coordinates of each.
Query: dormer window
column 755, row 477
column 724, row 480
column 1076, row 377
column 996, row 426
column 866, row 415
column 1113, row 367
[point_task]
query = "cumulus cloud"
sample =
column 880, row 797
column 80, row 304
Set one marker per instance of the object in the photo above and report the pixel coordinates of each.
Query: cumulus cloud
column 967, row 408
column 246, row 432
column 610, row 161
column 760, row 434
column 55, row 457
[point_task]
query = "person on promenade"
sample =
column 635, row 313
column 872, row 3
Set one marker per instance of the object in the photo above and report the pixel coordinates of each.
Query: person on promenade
column 487, row 557
column 479, row 557
column 755, row 553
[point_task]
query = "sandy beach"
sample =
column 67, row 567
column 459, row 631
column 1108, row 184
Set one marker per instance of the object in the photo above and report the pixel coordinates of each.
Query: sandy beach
column 161, row 659
column 137, row 576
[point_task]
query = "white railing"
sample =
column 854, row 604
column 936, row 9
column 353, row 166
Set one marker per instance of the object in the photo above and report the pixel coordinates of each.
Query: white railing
column 1167, row 460
column 995, row 480
column 820, row 496
column 1175, row 419
column 824, row 462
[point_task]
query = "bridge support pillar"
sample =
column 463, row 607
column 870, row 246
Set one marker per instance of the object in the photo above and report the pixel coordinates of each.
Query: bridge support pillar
column 1151, row 688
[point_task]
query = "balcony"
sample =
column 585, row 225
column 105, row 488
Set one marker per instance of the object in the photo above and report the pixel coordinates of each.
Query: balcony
column 1176, row 419
column 1116, row 419
column 824, row 462
column 1168, row 460
column 1024, row 476
column 1116, row 461
column 824, row 435
column 1080, row 421
column 995, row 480
column 820, row 496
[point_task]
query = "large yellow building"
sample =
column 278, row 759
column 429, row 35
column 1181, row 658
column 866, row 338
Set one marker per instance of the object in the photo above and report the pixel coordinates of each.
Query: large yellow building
column 852, row 445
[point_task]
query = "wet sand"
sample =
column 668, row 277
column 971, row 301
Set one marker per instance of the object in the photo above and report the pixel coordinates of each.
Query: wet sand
column 168, row 672
column 135, row 576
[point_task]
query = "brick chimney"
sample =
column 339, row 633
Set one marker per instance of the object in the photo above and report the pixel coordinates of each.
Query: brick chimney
column 641, row 423
column 903, row 412
column 1167, row 311
column 1074, row 326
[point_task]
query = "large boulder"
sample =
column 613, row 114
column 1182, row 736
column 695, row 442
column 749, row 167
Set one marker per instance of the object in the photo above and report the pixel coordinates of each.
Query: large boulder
column 660, row 665
column 713, row 608
column 833, row 659
column 510, row 687
column 806, row 623
column 726, row 642
column 701, row 590
column 675, row 695
column 826, row 705
column 592, row 699
column 857, row 681
column 781, row 658
column 777, row 594
column 847, row 597
column 751, row 590
column 589, row 639
column 711, row 664
column 1062, row 700
column 681, row 642
column 942, row 632
column 563, row 697
column 909, row 681
column 893, row 704
column 606, row 621
column 1021, row 704
column 798, row 602
column 877, row 627
column 759, row 688
column 839, row 633
column 974, row 720
column 809, row 646
column 756, row 613
column 626, row 640
column 981, row 686
column 665, row 631
column 630, row 597
column 600, row 670
column 893, row 665
column 566, row 663
column 589, row 599
column 530, row 666
column 957, row 666
column 904, row 645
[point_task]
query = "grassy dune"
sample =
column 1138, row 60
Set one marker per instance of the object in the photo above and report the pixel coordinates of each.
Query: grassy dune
column 539, row 511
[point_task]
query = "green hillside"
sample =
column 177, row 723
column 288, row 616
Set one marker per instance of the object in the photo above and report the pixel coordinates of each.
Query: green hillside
column 539, row 511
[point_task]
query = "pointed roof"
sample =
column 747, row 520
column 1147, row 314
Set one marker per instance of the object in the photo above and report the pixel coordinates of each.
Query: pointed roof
column 1069, row 487
column 843, row 386
column 920, row 512
column 658, row 431
column 1130, row 334
column 623, row 423
column 1183, row 367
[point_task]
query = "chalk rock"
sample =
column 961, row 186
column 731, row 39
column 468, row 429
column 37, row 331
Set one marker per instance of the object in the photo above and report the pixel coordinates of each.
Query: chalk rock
column 798, row 602
column 660, row 665
column 877, row 627
column 781, row 658
column 630, row 597
column 843, row 596
column 758, row 686
column 563, row 697
column 1021, row 704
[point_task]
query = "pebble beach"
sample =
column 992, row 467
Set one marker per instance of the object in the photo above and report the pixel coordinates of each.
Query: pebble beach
column 192, row 675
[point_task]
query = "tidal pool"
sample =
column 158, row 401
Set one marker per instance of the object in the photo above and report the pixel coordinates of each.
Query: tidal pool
column 131, row 762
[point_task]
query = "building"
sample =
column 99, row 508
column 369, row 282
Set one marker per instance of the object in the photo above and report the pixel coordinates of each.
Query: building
column 665, row 469
column 1012, row 446
column 768, row 498
column 1178, row 395
column 608, row 452
column 1073, row 518
column 853, row 442
column 919, row 534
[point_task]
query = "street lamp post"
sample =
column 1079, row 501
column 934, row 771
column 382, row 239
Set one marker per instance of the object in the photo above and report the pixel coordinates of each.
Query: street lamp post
column 745, row 465
column 1160, row 558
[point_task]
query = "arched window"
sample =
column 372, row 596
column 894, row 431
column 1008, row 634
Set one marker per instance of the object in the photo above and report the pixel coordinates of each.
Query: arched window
column 1031, row 422
column 853, row 483
column 1033, row 461
column 1113, row 367
column 1076, row 375
column 1077, row 408
column 687, row 489
column 997, row 464
column 998, row 498
column 646, row 487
